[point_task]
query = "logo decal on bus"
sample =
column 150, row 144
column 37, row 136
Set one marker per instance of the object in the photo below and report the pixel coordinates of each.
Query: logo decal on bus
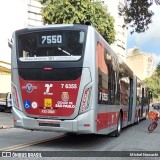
column 34, row 105
column 29, row 87
column 61, row 104
column 48, row 86
column 65, row 96
column 27, row 104
column 47, row 103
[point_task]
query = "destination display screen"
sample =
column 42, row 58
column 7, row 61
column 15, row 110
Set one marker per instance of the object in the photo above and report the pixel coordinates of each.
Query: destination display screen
column 51, row 39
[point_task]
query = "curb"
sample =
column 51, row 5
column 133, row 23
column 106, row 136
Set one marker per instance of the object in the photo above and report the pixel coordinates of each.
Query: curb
column 6, row 127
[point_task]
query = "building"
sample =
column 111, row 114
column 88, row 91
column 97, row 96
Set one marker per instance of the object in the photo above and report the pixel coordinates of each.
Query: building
column 140, row 62
column 120, row 44
column 5, row 77
column 34, row 17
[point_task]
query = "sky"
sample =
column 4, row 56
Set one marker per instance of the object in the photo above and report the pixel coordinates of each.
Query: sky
column 13, row 17
column 149, row 41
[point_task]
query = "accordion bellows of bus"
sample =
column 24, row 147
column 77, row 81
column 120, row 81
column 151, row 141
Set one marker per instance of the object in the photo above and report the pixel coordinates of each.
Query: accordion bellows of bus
column 67, row 78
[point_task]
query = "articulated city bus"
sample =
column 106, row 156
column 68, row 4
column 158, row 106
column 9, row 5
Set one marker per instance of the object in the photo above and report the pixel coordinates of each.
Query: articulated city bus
column 67, row 78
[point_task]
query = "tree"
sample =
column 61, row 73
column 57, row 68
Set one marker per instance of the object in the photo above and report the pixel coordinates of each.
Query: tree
column 158, row 69
column 79, row 11
column 137, row 14
column 153, row 83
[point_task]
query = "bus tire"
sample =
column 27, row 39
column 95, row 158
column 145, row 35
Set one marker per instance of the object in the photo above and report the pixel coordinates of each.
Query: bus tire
column 2, row 109
column 119, row 126
column 8, row 109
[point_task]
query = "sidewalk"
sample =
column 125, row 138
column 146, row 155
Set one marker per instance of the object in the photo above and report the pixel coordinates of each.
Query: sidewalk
column 6, row 120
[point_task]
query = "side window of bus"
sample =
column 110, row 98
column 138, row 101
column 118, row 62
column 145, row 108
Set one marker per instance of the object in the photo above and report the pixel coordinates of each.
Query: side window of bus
column 107, row 77
column 139, row 94
column 102, row 75
column 124, row 86
column 112, row 78
column 144, row 96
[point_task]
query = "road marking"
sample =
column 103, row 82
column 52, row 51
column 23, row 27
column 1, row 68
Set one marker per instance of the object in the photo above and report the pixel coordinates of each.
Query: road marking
column 19, row 146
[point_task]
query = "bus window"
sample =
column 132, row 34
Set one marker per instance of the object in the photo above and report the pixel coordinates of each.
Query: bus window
column 103, row 76
column 51, row 45
column 124, row 86
column 113, row 97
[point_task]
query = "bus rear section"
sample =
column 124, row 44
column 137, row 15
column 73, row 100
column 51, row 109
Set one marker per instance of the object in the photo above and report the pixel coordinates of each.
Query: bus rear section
column 51, row 89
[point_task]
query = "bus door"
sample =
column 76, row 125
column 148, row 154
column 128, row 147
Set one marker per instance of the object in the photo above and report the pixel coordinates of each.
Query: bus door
column 130, row 100
column 142, row 102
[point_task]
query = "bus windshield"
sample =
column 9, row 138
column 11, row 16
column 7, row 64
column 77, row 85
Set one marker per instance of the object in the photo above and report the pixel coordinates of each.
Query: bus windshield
column 61, row 45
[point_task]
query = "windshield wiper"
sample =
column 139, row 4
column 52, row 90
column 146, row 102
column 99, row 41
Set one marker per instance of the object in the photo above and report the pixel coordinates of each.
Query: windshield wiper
column 64, row 51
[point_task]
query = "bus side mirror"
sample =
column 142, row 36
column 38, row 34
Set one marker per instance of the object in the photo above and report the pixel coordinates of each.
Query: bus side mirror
column 10, row 43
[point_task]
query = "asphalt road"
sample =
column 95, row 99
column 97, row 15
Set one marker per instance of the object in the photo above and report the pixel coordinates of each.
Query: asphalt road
column 133, row 138
column 6, row 120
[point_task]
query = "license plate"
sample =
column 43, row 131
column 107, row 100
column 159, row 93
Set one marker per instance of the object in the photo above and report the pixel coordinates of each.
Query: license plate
column 49, row 124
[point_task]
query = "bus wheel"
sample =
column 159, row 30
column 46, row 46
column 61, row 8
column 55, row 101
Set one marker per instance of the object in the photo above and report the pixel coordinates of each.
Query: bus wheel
column 119, row 126
column 8, row 110
column 2, row 109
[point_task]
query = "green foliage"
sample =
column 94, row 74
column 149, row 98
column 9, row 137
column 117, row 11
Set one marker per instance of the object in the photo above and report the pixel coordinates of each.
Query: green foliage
column 78, row 12
column 158, row 69
column 153, row 83
column 137, row 14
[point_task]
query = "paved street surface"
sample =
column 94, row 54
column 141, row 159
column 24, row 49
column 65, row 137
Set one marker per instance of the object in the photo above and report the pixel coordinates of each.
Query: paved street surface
column 6, row 120
column 132, row 138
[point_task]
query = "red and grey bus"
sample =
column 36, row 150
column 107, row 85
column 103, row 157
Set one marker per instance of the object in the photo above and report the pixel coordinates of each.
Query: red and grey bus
column 67, row 78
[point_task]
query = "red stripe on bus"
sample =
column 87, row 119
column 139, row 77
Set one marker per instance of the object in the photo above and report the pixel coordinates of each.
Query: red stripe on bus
column 105, row 120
